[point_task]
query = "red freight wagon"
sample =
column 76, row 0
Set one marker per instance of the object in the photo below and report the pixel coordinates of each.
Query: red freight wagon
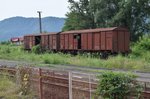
column 31, row 40
column 53, row 41
column 44, row 41
column 49, row 41
column 28, row 42
column 113, row 40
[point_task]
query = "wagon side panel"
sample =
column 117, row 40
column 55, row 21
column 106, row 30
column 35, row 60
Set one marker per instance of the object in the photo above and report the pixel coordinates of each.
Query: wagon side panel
column 50, row 42
column 66, row 42
column 121, row 41
column 127, row 41
column 115, row 41
column 109, row 41
column 62, row 41
column 89, row 41
column 96, row 41
column 84, row 41
column 54, row 42
column 103, row 41
column 70, row 41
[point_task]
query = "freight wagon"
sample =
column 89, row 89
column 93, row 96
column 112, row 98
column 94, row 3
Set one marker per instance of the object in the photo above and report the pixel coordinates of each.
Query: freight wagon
column 47, row 41
column 101, row 40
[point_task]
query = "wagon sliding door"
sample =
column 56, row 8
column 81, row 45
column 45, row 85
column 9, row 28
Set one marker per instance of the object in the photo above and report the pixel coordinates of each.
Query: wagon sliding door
column 37, row 40
column 106, row 41
column 77, row 41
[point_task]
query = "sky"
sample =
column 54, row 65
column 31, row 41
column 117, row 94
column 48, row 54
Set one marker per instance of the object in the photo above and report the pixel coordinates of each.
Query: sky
column 29, row 8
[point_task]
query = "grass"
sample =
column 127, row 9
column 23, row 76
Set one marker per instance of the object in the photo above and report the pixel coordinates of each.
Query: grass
column 130, row 62
column 8, row 89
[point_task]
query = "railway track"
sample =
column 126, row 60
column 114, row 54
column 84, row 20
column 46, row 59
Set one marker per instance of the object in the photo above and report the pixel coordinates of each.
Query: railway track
column 142, row 76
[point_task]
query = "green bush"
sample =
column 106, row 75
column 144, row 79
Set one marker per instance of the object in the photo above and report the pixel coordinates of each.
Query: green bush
column 117, row 85
column 141, row 46
column 5, row 43
column 8, row 88
column 37, row 49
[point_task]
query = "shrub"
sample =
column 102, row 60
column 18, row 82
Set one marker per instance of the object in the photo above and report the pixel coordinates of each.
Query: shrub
column 36, row 49
column 116, row 85
column 5, row 43
column 142, row 45
column 8, row 89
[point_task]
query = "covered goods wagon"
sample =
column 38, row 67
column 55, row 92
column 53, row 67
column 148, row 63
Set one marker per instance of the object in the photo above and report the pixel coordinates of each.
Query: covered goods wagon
column 47, row 41
column 113, row 40
column 31, row 40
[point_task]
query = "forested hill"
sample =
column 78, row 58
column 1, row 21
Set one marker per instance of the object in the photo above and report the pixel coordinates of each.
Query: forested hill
column 19, row 26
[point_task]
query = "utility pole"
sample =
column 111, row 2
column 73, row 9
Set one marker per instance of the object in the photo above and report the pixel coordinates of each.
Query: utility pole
column 40, row 22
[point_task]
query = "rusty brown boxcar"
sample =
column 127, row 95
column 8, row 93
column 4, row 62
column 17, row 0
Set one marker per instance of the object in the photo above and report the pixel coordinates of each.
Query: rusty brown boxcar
column 54, row 41
column 31, row 40
column 112, row 40
column 47, row 41
column 44, row 41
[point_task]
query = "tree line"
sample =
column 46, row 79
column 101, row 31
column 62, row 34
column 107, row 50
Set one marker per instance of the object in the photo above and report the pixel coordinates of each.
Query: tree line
column 89, row 14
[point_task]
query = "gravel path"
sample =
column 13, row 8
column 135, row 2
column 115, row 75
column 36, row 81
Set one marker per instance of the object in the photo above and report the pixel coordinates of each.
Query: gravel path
column 13, row 63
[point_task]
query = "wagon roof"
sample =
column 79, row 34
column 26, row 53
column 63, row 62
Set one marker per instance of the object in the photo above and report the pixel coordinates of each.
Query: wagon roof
column 95, row 30
column 42, row 34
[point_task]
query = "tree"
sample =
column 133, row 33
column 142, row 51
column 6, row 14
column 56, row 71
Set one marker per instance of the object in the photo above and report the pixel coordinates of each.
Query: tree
column 133, row 14
column 79, row 16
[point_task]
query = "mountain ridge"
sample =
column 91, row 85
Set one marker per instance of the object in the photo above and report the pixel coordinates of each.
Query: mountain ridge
column 20, row 26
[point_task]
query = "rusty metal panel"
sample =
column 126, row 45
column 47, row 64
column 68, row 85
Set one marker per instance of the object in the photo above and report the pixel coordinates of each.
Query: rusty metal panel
column 29, row 42
column 62, row 46
column 26, row 42
column 89, row 41
column 109, row 41
column 103, row 40
column 115, row 41
column 58, row 42
column 66, row 41
column 96, row 41
column 121, row 41
column 127, row 41
column 70, row 41
column 84, row 41
column 54, row 41
column 50, row 42
column 44, row 41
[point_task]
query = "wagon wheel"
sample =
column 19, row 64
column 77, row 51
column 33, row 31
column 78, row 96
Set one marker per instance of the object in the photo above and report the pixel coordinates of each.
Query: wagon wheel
column 104, row 55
